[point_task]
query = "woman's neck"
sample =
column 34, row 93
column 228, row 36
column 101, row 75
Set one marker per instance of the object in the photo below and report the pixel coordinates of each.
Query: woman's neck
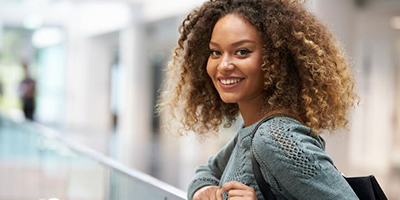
column 253, row 114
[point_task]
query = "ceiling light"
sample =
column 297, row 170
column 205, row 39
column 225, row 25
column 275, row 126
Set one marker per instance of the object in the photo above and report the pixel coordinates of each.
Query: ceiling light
column 45, row 37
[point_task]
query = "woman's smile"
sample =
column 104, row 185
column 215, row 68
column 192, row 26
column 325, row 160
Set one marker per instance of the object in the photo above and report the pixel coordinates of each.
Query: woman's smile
column 228, row 83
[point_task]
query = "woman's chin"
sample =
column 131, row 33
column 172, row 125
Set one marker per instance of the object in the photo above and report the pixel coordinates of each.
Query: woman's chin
column 229, row 100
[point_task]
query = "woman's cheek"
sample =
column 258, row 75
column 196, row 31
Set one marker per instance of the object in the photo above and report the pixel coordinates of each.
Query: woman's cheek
column 210, row 70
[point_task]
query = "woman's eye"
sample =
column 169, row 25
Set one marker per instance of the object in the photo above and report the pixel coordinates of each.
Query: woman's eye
column 243, row 52
column 215, row 53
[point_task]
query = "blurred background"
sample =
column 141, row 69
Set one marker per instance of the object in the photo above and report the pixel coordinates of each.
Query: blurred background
column 79, row 80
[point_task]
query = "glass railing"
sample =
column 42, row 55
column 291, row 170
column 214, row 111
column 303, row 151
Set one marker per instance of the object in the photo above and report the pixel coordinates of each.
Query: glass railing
column 36, row 163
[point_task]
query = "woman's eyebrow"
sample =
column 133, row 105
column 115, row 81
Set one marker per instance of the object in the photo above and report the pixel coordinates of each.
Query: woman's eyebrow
column 235, row 44
column 238, row 43
column 214, row 43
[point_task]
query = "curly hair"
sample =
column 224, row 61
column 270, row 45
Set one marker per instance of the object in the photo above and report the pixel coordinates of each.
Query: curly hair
column 305, row 71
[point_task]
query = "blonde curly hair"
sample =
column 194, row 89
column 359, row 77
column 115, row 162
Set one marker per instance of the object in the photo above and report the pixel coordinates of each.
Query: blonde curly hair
column 305, row 71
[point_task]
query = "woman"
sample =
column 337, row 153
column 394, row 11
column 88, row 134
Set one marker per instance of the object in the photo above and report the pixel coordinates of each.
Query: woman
column 258, row 59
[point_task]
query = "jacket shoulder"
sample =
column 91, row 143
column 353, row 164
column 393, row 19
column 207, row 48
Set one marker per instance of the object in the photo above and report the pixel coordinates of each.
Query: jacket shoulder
column 285, row 141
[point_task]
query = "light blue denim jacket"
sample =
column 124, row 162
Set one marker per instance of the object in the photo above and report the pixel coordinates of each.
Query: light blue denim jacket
column 292, row 160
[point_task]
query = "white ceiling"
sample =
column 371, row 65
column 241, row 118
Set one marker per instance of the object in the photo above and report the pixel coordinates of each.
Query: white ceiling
column 14, row 12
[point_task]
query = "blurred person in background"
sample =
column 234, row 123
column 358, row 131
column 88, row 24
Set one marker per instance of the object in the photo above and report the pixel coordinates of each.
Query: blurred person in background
column 27, row 90
column 261, row 59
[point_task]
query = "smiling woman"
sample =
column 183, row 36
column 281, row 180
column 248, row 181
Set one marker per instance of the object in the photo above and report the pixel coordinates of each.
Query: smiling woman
column 261, row 59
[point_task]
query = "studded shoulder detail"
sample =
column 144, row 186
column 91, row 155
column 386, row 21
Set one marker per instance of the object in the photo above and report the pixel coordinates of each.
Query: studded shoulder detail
column 287, row 141
column 290, row 146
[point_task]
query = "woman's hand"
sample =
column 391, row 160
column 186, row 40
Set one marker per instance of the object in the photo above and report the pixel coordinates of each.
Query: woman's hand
column 237, row 190
column 208, row 193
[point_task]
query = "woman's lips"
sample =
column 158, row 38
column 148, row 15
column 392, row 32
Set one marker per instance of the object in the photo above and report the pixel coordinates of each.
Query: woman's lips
column 229, row 83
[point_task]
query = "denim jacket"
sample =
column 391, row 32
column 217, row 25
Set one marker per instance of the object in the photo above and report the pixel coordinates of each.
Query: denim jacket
column 292, row 160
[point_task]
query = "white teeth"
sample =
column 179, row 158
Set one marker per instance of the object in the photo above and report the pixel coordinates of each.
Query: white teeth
column 229, row 81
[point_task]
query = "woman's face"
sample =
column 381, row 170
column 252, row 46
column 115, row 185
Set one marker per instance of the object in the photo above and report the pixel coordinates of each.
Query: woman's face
column 235, row 60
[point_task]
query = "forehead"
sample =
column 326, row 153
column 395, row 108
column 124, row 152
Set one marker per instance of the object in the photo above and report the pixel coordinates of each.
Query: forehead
column 233, row 28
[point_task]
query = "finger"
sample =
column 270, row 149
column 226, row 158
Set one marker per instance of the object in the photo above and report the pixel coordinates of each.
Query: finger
column 219, row 194
column 235, row 198
column 234, row 185
column 212, row 193
column 237, row 193
column 206, row 193
column 211, row 197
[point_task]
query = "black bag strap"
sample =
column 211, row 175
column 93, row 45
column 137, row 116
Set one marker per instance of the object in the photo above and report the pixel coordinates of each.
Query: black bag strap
column 262, row 184
column 265, row 188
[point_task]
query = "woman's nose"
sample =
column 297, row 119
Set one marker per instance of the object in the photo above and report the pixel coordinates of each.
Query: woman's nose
column 226, row 65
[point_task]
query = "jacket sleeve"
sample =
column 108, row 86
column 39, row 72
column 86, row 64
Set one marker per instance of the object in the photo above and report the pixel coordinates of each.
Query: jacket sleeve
column 211, row 173
column 300, row 167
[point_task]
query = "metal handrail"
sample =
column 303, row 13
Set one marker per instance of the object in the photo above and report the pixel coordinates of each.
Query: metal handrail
column 168, row 191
